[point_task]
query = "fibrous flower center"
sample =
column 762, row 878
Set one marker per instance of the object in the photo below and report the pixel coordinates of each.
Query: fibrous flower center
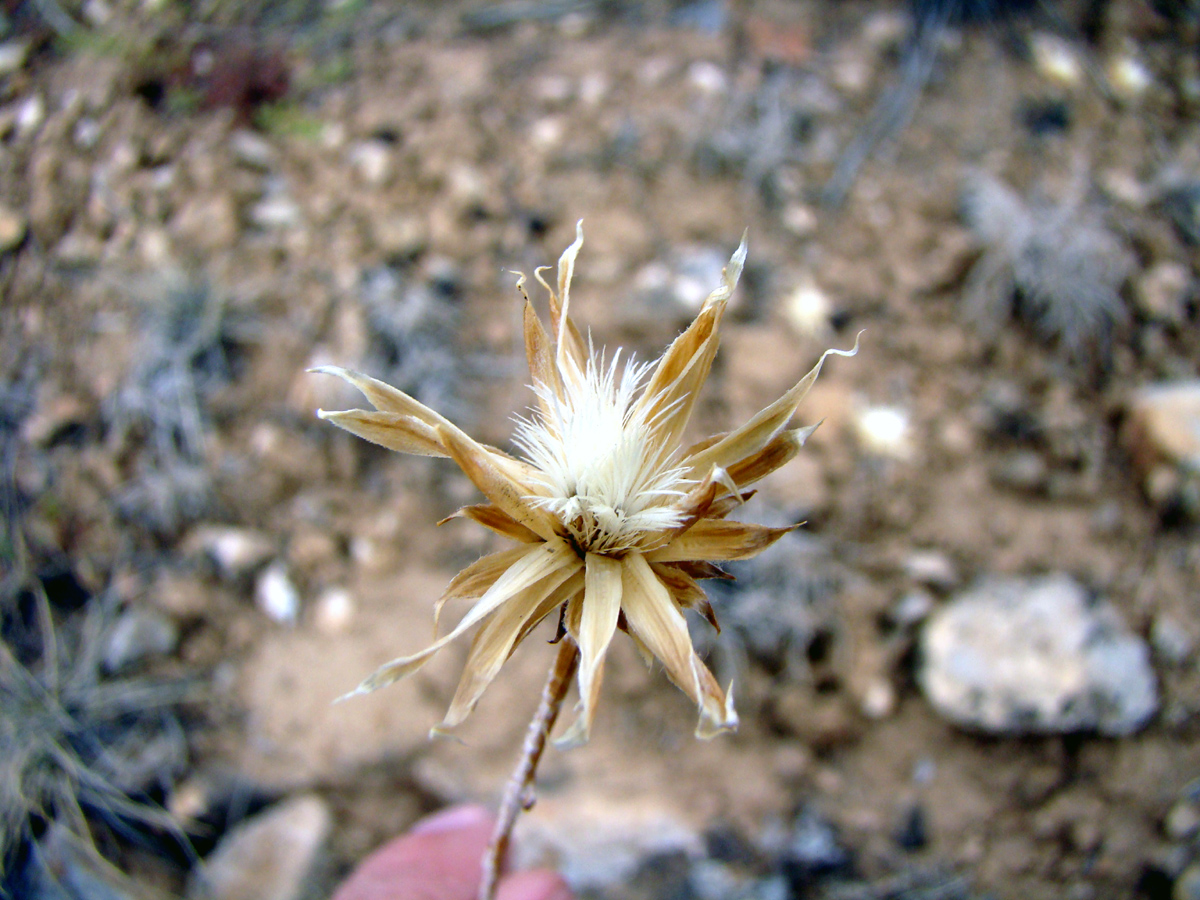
column 607, row 478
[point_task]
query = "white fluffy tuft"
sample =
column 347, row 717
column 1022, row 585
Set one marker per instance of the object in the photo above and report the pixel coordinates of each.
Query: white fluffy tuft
column 609, row 479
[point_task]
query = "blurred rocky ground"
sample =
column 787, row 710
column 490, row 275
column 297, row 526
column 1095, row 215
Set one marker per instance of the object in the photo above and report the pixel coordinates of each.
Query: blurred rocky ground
column 972, row 673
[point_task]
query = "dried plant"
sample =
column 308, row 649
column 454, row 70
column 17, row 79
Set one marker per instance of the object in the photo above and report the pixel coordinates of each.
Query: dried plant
column 411, row 341
column 895, row 106
column 776, row 609
column 614, row 520
column 1054, row 266
column 159, row 409
column 78, row 748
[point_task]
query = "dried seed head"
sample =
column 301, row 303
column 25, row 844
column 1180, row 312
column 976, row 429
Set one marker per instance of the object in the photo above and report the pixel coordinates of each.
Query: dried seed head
column 614, row 519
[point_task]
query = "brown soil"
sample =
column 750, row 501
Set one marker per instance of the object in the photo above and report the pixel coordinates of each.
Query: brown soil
column 494, row 143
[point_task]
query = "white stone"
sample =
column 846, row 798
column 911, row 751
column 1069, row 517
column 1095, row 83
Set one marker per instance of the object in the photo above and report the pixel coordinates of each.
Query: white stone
column 808, row 310
column 252, row 149
column 12, row 228
column 707, row 77
column 547, row 132
column 553, row 88
column 333, row 135
column 1056, row 60
column 1166, row 418
column 1036, row 657
column 878, row 699
column 97, row 12
column 1129, row 76
column 371, row 161
column 1161, row 289
column 12, row 56
column 30, row 114
column 696, row 271
column 596, row 842
column 87, row 133
column 1171, row 642
column 593, row 87
column 276, row 595
column 911, row 610
column 931, row 567
column 799, row 219
column 333, row 611
column 275, row 212
column 884, row 431
column 236, row 551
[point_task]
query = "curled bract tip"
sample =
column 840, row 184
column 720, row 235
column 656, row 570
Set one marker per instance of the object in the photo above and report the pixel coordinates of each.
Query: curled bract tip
column 710, row 726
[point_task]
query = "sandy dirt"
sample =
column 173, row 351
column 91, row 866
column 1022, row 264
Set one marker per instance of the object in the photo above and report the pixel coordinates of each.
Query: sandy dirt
column 419, row 146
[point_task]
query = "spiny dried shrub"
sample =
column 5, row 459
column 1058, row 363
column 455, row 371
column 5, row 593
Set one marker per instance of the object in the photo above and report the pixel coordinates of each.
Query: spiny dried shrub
column 775, row 609
column 412, row 336
column 157, row 417
column 1054, row 266
column 18, row 394
column 79, row 750
column 763, row 132
column 895, row 106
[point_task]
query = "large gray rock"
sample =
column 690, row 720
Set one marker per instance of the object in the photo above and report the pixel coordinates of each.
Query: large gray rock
column 1036, row 657
column 272, row 856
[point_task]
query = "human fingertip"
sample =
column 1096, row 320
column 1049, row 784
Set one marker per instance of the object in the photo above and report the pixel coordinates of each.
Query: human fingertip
column 455, row 818
column 534, row 884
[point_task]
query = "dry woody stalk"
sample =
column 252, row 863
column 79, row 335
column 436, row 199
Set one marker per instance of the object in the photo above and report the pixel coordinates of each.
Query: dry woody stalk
column 614, row 522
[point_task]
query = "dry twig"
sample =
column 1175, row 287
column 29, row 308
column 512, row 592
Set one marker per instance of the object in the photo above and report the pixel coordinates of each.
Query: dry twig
column 518, row 795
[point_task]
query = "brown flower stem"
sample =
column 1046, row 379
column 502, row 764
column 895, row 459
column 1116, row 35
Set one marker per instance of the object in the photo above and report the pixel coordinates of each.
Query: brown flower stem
column 518, row 794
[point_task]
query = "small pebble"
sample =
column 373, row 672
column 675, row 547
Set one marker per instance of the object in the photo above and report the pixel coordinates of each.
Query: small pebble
column 911, row 609
column 696, row 272
column 333, row 611
column 1162, row 430
column 547, row 132
column 13, row 227
column 30, row 114
column 808, row 310
column 878, row 699
column 1171, row 642
column 924, row 770
column 1182, row 820
column 931, row 567
column 275, row 213
column 371, row 161
column 1187, row 885
column 1056, row 60
column 799, row 219
column 1023, row 470
column 707, row 77
column 1129, row 76
column 884, row 431
column 236, row 551
column 138, row 635
column 252, row 150
column 12, row 57
column 87, row 133
column 1160, row 291
column 593, row 87
column 277, row 596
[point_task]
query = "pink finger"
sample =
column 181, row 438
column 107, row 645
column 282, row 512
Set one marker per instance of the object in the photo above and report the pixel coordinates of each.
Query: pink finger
column 535, row 884
column 438, row 860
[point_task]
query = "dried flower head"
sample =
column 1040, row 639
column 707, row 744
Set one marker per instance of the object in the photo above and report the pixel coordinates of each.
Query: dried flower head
column 614, row 521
